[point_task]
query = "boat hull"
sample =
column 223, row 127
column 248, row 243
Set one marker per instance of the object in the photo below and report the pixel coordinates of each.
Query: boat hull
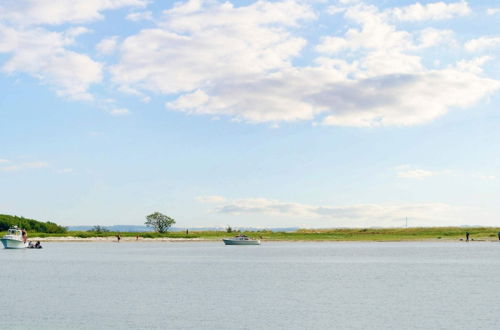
column 12, row 243
column 241, row 242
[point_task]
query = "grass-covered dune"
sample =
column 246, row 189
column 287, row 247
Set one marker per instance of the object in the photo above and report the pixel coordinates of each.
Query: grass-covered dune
column 7, row 221
column 382, row 234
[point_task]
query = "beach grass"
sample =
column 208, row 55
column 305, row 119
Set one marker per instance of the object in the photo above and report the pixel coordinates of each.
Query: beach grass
column 366, row 234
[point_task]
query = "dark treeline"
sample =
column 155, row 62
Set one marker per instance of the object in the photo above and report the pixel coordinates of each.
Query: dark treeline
column 7, row 221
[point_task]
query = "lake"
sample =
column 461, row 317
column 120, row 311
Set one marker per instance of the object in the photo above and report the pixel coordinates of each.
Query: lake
column 278, row 285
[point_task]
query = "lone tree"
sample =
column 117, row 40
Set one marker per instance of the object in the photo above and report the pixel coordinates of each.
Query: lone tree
column 98, row 229
column 159, row 222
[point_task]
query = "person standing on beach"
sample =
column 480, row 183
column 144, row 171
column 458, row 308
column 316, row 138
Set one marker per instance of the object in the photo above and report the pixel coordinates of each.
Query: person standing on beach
column 467, row 236
column 118, row 238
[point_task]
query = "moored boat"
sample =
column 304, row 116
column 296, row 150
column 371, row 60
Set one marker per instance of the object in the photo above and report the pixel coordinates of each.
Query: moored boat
column 241, row 240
column 13, row 239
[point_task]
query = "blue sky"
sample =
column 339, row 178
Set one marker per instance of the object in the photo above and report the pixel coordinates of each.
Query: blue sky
column 267, row 114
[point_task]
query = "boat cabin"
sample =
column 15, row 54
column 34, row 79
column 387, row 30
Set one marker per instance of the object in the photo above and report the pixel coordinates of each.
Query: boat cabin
column 14, row 231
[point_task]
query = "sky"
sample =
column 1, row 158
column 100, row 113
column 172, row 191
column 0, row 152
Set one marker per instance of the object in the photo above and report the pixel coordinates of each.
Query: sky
column 291, row 113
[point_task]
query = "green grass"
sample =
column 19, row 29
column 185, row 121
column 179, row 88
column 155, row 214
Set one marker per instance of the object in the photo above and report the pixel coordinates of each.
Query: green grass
column 385, row 234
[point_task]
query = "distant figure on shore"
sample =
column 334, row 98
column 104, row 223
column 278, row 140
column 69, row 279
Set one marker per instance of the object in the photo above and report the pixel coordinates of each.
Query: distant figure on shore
column 467, row 236
column 499, row 235
column 118, row 238
column 25, row 235
column 137, row 238
column 187, row 232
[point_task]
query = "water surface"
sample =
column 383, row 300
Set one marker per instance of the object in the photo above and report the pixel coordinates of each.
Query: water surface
column 281, row 285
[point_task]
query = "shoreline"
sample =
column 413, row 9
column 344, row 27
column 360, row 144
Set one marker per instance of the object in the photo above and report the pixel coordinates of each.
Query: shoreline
column 111, row 239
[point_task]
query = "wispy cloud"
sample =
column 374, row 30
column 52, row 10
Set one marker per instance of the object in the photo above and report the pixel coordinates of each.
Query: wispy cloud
column 493, row 11
column 344, row 215
column 412, row 172
column 484, row 177
column 415, row 173
column 25, row 166
column 140, row 16
column 120, row 112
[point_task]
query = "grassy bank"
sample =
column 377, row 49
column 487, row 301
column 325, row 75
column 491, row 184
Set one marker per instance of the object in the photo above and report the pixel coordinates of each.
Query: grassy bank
column 383, row 234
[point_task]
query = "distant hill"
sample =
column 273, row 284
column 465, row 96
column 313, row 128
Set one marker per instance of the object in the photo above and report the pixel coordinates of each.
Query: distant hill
column 141, row 229
column 7, row 221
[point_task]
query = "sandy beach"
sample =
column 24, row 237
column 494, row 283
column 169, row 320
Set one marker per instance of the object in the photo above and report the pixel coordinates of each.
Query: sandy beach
column 112, row 239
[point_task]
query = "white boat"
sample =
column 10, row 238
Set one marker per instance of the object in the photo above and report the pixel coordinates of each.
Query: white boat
column 241, row 240
column 13, row 239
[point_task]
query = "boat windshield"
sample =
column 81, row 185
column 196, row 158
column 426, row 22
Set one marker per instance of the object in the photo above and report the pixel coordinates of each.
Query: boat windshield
column 14, row 232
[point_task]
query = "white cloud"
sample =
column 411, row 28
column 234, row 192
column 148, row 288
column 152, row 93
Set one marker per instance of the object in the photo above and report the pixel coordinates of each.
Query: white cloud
column 416, row 174
column 493, row 11
column 219, row 59
column 431, row 11
column 203, row 42
column 25, row 166
column 430, row 37
column 42, row 54
column 140, row 16
column 119, row 112
column 474, row 65
column 384, row 85
column 303, row 94
column 482, row 44
column 107, row 46
column 56, row 12
column 4, row 161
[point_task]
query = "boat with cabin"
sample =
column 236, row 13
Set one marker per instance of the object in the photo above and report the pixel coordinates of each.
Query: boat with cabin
column 14, row 239
column 241, row 240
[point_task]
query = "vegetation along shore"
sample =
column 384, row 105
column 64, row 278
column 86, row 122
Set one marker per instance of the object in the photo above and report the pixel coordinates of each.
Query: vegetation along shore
column 50, row 231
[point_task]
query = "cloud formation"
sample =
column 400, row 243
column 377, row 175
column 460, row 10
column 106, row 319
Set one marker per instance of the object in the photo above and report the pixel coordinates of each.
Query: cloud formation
column 432, row 214
column 24, row 166
column 36, row 50
column 57, row 12
column 482, row 44
column 386, row 84
column 119, row 112
column 256, row 62
column 431, row 11
column 199, row 42
column 416, row 174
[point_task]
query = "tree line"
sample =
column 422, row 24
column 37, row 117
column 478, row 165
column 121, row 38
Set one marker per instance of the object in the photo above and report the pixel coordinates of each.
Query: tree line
column 7, row 221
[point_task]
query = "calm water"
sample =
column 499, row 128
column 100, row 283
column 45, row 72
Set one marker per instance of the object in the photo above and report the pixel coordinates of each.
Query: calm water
column 273, row 286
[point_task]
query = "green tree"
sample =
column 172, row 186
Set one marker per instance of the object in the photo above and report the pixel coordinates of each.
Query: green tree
column 161, row 223
column 98, row 229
